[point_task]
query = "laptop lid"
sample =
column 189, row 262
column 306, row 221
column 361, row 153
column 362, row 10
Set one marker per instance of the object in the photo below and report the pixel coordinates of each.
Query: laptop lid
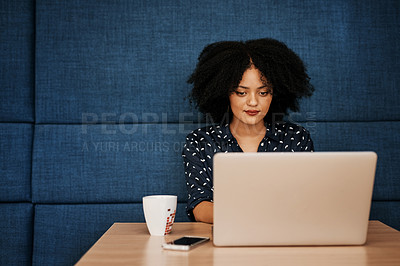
column 319, row 198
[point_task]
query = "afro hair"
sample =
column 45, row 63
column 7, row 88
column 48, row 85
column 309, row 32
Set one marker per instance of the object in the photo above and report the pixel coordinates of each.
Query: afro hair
column 221, row 66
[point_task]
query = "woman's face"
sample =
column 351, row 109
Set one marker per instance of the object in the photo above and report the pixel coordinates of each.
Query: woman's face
column 251, row 100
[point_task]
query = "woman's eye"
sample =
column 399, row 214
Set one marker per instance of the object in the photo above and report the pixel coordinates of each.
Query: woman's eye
column 265, row 93
column 240, row 93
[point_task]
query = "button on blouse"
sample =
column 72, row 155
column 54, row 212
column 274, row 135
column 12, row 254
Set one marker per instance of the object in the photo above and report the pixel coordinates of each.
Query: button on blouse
column 203, row 143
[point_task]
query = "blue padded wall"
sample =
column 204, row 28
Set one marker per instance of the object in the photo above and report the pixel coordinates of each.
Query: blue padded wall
column 381, row 137
column 17, row 60
column 387, row 212
column 96, row 163
column 16, row 226
column 63, row 233
column 105, row 58
column 15, row 162
column 16, row 117
column 135, row 56
column 107, row 163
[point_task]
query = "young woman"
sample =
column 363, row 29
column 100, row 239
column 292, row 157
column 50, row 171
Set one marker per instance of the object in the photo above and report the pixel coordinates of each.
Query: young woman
column 244, row 88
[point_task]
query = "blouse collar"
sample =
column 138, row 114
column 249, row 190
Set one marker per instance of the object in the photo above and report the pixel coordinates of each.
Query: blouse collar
column 224, row 130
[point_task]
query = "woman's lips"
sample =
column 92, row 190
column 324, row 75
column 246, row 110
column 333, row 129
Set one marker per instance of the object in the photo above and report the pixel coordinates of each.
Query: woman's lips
column 252, row 112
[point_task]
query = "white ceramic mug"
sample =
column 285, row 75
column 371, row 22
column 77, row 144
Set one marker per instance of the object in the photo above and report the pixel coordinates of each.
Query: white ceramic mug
column 159, row 212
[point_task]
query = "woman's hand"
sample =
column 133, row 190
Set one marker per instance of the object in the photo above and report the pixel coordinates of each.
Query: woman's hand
column 204, row 212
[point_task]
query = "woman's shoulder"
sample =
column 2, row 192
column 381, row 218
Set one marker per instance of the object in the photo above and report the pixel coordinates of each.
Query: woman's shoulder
column 207, row 131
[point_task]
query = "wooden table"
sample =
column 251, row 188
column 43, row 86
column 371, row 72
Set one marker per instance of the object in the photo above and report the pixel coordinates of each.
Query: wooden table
column 131, row 244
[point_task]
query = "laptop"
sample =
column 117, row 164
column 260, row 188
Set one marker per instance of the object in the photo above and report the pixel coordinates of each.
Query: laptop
column 292, row 199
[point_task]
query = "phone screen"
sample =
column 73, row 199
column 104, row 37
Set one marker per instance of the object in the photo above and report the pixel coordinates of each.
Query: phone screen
column 187, row 241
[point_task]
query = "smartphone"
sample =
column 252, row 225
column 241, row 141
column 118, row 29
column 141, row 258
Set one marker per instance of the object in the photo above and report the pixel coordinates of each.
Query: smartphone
column 185, row 243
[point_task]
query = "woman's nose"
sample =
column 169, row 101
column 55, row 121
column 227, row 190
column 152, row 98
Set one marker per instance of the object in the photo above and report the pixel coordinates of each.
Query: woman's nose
column 252, row 100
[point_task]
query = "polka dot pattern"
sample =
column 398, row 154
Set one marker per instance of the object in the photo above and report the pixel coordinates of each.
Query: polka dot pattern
column 203, row 143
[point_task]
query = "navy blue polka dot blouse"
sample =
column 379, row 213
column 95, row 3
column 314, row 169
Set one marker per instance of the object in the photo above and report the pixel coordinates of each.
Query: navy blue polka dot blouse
column 203, row 143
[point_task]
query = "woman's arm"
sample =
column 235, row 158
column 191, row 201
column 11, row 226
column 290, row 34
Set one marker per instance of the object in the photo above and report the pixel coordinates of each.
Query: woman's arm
column 198, row 172
column 204, row 212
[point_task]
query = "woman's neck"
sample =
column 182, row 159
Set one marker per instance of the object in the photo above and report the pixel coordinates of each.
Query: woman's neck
column 244, row 130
